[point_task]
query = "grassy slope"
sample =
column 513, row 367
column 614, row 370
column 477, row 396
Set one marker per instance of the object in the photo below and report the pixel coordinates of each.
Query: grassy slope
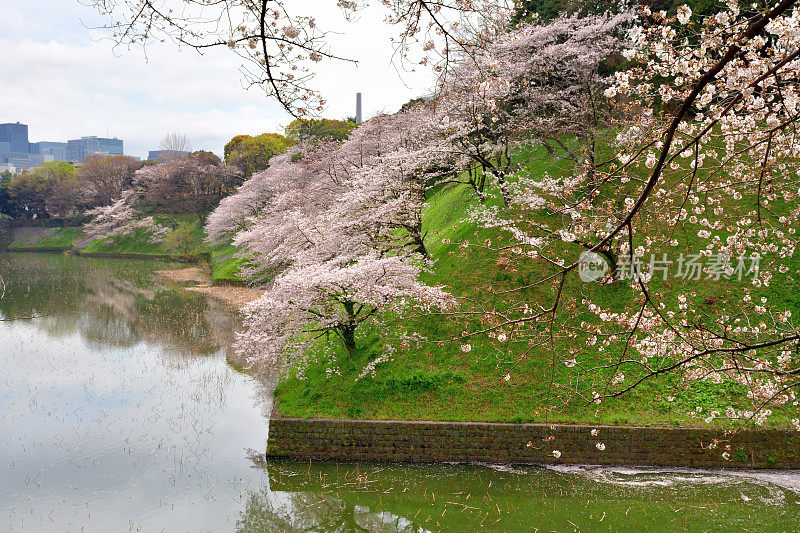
column 225, row 264
column 139, row 241
column 439, row 382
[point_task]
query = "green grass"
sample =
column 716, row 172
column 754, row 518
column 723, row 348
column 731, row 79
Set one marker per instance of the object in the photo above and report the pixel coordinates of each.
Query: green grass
column 226, row 264
column 139, row 242
column 437, row 381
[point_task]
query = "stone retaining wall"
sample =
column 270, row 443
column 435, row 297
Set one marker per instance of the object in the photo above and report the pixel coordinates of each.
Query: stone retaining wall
column 6, row 233
column 151, row 257
column 408, row 441
column 113, row 255
column 69, row 222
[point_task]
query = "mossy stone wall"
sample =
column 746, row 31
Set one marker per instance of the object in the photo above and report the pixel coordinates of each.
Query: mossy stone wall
column 410, row 441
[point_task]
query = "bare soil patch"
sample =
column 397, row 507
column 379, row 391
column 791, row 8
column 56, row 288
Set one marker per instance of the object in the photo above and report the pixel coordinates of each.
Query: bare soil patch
column 236, row 296
column 194, row 274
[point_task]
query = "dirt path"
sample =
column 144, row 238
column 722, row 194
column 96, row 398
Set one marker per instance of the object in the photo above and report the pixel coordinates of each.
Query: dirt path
column 196, row 274
column 238, row 297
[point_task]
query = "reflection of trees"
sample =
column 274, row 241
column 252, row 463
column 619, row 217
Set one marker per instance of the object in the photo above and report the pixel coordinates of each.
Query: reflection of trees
column 322, row 496
column 175, row 315
column 223, row 325
column 328, row 503
column 315, row 511
column 111, row 302
column 299, row 511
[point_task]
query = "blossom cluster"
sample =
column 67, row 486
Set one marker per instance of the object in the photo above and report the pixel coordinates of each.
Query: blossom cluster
column 703, row 126
column 704, row 163
column 333, row 231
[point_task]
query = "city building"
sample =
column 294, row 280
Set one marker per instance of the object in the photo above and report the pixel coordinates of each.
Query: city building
column 56, row 150
column 18, row 152
column 78, row 149
column 165, row 155
column 14, row 146
column 17, row 135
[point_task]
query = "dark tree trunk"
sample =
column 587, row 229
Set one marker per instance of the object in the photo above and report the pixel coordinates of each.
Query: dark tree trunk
column 503, row 185
column 349, row 338
column 348, row 331
column 420, row 246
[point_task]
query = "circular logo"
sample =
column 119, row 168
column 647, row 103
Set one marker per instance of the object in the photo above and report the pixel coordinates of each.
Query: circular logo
column 592, row 267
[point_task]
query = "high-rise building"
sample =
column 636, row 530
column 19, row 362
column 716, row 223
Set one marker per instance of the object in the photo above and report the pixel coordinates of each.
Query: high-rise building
column 58, row 151
column 17, row 135
column 17, row 151
column 14, row 146
column 20, row 160
column 78, row 149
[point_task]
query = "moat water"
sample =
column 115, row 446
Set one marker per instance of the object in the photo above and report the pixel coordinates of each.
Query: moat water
column 120, row 412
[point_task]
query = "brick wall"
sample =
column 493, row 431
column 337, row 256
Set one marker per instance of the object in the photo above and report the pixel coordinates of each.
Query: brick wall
column 367, row 440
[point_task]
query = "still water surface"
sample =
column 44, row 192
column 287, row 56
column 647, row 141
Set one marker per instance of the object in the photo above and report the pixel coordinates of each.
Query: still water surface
column 119, row 412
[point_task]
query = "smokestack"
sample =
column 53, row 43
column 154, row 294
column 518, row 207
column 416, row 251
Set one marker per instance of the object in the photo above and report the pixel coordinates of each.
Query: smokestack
column 358, row 108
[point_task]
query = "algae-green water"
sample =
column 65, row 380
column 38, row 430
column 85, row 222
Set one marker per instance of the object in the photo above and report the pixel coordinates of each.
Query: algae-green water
column 120, row 412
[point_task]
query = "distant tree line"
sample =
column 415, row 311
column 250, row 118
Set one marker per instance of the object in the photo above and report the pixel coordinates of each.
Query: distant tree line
column 180, row 183
column 59, row 189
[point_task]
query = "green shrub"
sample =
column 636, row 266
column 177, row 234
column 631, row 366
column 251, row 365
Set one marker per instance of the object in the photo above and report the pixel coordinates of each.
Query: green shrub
column 183, row 240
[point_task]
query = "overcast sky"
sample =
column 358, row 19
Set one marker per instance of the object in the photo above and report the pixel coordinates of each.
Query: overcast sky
column 65, row 81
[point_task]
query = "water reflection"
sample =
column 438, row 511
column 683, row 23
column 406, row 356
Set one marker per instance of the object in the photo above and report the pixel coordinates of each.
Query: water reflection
column 117, row 406
column 112, row 302
column 393, row 498
column 119, row 412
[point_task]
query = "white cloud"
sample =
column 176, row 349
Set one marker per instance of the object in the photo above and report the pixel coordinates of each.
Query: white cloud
column 65, row 82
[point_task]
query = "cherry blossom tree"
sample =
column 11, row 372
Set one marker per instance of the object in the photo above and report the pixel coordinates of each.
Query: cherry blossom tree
column 702, row 180
column 121, row 218
column 332, row 279
column 290, row 228
column 235, row 212
column 728, row 175
column 536, row 84
column 387, row 165
column 373, row 183
column 192, row 183
column 334, row 232
column 307, row 302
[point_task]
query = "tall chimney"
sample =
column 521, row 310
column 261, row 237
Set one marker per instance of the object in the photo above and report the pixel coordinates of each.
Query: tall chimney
column 358, row 108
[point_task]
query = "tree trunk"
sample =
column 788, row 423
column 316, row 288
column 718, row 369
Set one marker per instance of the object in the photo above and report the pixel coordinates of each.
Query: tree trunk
column 348, row 331
column 503, row 185
column 349, row 338
column 420, row 246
